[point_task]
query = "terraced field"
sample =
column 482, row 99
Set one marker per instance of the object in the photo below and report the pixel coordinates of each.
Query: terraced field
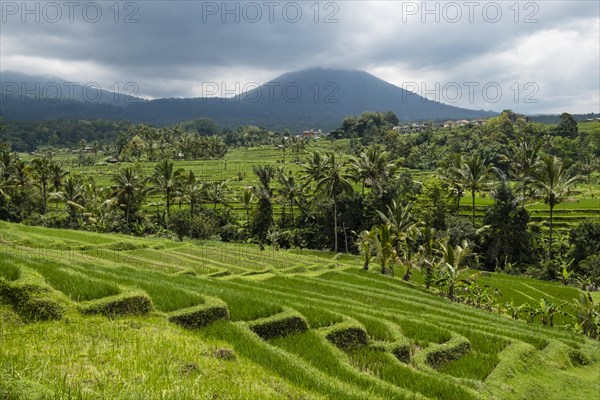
column 107, row 316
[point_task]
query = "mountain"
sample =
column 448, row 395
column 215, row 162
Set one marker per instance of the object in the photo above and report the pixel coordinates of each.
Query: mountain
column 313, row 98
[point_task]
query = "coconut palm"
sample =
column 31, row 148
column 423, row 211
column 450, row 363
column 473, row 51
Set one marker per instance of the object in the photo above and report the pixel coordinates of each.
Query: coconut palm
column 265, row 174
column 476, row 176
column 216, row 193
column 129, row 190
column 314, row 168
column 166, row 180
column 247, row 198
column 40, row 168
column 191, row 191
column 550, row 181
column 522, row 162
column 332, row 184
column 453, row 175
column 289, row 190
column 365, row 243
column 383, row 247
column 587, row 316
column 72, row 195
column 372, row 166
column 452, row 265
column 57, row 174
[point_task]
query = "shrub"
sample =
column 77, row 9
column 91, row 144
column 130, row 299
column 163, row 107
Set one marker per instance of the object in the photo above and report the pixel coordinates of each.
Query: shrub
column 347, row 335
column 131, row 303
column 200, row 316
column 438, row 355
column 278, row 325
column 125, row 246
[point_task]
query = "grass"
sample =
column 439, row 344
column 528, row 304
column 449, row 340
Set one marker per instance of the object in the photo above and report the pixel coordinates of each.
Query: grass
column 471, row 366
column 502, row 362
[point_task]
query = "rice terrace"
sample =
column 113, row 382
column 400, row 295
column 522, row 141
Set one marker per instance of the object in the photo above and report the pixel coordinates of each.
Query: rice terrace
column 297, row 200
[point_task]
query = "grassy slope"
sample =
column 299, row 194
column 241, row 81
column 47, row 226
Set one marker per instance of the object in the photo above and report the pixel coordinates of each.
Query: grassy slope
column 139, row 357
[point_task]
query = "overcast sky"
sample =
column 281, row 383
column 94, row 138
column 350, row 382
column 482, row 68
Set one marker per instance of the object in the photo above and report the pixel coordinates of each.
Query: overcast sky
column 544, row 56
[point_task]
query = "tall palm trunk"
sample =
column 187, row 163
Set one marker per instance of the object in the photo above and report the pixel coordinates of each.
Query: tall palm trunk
column 335, row 233
column 473, row 208
column 550, row 239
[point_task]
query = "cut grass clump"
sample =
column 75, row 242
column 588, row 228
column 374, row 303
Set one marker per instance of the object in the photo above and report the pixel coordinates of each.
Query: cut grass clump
column 32, row 302
column 200, row 316
column 347, row 335
column 438, row 355
column 132, row 303
column 126, row 246
column 279, row 325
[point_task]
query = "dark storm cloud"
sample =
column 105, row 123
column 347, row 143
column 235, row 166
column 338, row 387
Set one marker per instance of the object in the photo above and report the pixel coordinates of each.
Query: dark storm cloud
column 174, row 46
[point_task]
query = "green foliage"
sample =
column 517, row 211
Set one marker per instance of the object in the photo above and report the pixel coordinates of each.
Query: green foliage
column 507, row 239
column 278, row 325
column 129, row 303
column 31, row 301
column 200, row 316
column 347, row 335
column 585, row 238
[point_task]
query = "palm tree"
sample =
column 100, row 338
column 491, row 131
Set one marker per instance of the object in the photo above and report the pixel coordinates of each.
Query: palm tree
column 129, row 190
column 191, row 191
column 247, row 198
column 265, row 174
column 216, row 193
column 166, row 180
column 402, row 223
column 57, row 174
column 383, row 247
column 549, row 179
column 365, row 243
column 587, row 316
column 475, row 176
column 289, row 190
column 72, row 194
column 372, row 166
column 314, row 167
column 40, row 168
column 453, row 175
column 451, row 265
column 332, row 184
column 522, row 163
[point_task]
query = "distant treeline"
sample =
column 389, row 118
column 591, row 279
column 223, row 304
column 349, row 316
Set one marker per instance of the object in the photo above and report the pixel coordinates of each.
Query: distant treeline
column 555, row 119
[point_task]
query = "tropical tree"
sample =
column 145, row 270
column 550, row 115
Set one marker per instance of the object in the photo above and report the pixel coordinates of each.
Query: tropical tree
column 40, row 168
column 332, row 184
column 246, row 199
column 587, row 316
column 523, row 161
column 452, row 265
column 383, row 247
column 314, row 168
column 165, row 179
column 216, row 193
column 452, row 174
column 57, row 174
column 289, row 190
column 550, row 181
column 365, row 243
column 191, row 191
column 476, row 176
column 129, row 190
column 72, row 195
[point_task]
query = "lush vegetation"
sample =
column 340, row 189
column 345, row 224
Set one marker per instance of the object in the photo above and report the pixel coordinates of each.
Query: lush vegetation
column 265, row 323
column 439, row 262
